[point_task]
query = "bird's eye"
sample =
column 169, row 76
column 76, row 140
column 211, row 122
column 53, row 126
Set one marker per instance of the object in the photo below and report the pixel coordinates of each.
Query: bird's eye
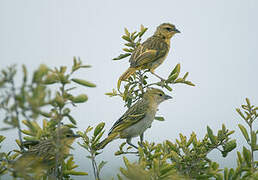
column 160, row 94
column 169, row 29
column 68, row 135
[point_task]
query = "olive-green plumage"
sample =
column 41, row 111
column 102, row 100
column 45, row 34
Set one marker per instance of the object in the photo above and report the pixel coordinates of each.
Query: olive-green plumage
column 137, row 118
column 151, row 53
column 41, row 155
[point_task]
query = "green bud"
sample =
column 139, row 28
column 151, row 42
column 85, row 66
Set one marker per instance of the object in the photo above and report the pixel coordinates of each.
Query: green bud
column 51, row 79
column 59, row 100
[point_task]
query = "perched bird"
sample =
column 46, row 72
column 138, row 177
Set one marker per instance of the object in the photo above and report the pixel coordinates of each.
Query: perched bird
column 151, row 53
column 137, row 118
column 41, row 155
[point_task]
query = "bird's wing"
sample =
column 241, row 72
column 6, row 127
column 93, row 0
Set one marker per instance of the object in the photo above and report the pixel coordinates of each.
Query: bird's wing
column 27, row 144
column 151, row 50
column 133, row 115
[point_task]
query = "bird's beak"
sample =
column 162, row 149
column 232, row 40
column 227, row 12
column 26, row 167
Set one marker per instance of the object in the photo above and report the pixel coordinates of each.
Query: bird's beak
column 76, row 136
column 176, row 30
column 168, row 97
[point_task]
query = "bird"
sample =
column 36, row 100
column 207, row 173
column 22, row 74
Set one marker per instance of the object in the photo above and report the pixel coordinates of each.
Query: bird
column 137, row 119
column 41, row 155
column 152, row 52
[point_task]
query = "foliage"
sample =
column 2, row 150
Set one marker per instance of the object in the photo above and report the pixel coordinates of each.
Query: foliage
column 246, row 164
column 90, row 144
column 35, row 100
column 187, row 157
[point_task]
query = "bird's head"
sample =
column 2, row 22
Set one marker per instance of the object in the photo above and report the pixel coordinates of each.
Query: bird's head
column 166, row 30
column 67, row 135
column 67, row 138
column 157, row 95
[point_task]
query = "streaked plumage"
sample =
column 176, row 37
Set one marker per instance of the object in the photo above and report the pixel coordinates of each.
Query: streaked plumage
column 41, row 155
column 152, row 52
column 137, row 118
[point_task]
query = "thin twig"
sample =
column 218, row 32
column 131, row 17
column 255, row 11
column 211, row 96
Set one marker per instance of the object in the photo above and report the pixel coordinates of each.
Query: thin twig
column 17, row 114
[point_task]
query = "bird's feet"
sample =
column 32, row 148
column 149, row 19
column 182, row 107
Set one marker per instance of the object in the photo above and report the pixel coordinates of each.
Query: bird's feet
column 128, row 141
column 161, row 79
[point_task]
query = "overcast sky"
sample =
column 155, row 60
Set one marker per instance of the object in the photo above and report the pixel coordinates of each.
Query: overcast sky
column 218, row 45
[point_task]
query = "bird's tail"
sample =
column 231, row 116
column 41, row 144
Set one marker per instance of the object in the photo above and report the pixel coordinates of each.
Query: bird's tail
column 125, row 76
column 103, row 143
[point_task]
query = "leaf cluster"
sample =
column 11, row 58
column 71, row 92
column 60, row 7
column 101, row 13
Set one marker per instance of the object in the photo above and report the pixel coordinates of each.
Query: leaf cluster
column 90, row 143
column 48, row 97
column 247, row 167
column 187, row 157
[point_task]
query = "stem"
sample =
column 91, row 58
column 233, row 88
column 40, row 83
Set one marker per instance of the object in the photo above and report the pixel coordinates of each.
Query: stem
column 252, row 150
column 94, row 165
column 17, row 115
column 250, row 123
column 58, row 142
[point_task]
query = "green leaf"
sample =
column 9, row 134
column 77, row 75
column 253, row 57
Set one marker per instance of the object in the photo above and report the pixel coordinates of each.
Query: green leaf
column 99, row 128
column 193, row 136
column 159, row 118
column 2, row 138
column 168, row 87
column 121, row 56
column 240, row 113
column 172, row 77
column 75, row 173
column 248, row 102
column 71, row 119
column 126, row 38
column 211, row 136
column 127, row 32
column 229, row 146
column 253, row 139
column 247, row 156
column 189, row 83
column 25, row 73
column 143, row 30
column 80, row 98
column 83, row 82
column 244, row 132
column 185, row 76
column 175, row 70
column 101, row 165
column 127, row 50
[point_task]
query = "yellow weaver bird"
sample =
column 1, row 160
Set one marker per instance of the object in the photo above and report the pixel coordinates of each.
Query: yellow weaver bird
column 41, row 155
column 151, row 53
column 137, row 118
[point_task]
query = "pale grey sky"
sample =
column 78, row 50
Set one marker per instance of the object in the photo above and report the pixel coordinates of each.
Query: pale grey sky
column 218, row 45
